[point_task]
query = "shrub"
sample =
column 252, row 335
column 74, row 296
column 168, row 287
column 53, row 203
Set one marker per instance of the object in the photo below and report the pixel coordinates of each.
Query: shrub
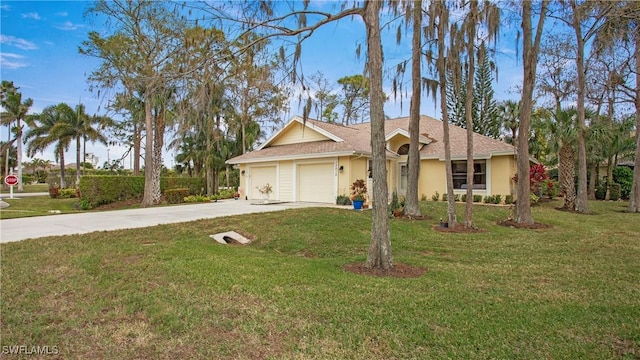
column 624, row 176
column 198, row 198
column 105, row 189
column 601, row 189
column 402, row 199
column 84, row 204
column 225, row 194
column 550, row 188
column 395, row 202
column 477, row 198
column 463, row 198
column 423, row 197
column 343, row 200
column 533, row 198
column 508, row 199
column 537, row 175
column 497, row 199
column 176, row 196
column 614, row 192
column 456, row 197
column 444, row 197
column 488, row 199
column 435, row 197
column 67, row 193
column 54, row 191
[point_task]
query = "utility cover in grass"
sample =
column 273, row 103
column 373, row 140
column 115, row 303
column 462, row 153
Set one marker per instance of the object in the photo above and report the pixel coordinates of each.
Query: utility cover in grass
column 230, row 237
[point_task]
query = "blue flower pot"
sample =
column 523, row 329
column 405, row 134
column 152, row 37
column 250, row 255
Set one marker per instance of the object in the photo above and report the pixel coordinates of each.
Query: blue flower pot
column 357, row 204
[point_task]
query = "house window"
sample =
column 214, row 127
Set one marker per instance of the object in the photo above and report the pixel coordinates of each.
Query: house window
column 403, row 150
column 459, row 170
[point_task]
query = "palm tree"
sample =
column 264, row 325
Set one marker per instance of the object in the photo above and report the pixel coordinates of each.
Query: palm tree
column 82, row 127
column 564, row 138
column 50, row 127
column 15, row 110
column 509, row 112
column 8, row 155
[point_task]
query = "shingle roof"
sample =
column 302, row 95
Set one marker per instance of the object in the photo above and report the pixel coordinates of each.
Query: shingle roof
column 357, row 141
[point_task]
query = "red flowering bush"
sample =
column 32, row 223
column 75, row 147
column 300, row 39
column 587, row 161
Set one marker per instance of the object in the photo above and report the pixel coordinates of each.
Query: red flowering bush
column 550, row 188
column 537, row 175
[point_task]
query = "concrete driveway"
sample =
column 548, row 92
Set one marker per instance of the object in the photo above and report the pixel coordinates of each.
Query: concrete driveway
column 69, row 224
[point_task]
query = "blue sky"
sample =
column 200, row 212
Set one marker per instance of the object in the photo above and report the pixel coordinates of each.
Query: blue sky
column 39, row 52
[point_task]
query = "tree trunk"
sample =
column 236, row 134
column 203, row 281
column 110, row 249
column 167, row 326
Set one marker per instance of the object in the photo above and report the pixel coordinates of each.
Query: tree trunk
column 441, row 64
column 19, row 156
column 137, row 139
column 530, row 61
column 468, row 213
column 412, row 206
column 78, row 148
column 567, row 168
column 158, row 143
column 634, row 198
column 63, row 183
column 582, row 202
column 147, row 199
column 379, row 255
column 209, row 173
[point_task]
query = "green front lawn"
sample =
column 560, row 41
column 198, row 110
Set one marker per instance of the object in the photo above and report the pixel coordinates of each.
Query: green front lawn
column 569, row 292
column 37, row 206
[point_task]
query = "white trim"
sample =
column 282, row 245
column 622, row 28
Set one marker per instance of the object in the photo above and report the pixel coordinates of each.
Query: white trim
column 295, row 157
column 306, row 124
column 405, row 133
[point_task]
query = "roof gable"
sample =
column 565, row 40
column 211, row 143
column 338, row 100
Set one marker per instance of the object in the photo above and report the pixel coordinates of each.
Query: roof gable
column 298, row 131
column 405, row 133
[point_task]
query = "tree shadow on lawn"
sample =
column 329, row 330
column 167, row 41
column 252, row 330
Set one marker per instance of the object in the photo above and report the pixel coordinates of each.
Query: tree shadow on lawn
column 513, row 224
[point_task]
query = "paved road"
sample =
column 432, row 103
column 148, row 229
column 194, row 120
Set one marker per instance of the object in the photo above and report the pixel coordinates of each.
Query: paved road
column 68, row 224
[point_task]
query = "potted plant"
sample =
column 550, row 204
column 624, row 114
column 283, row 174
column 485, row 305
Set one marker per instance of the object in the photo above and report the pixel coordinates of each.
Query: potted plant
column 358, row 193
column 265, row 191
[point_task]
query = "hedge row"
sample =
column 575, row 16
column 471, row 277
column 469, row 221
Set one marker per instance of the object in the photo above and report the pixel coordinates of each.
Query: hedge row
column 105, row 189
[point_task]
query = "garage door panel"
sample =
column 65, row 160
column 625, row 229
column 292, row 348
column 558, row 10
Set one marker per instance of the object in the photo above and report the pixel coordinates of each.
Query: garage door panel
column 316, row 182
column 260, row 176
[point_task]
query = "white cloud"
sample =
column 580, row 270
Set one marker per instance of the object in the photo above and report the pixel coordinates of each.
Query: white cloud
column 17, row 42
column 63, row 14
column 69, row 26
column 12, row 61
column 31, row 15
column 5, row 7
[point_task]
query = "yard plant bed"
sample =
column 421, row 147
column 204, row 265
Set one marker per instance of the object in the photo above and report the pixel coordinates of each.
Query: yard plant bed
column 170, row 291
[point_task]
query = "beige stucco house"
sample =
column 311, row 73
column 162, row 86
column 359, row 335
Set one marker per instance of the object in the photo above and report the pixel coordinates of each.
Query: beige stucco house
column 315, row 161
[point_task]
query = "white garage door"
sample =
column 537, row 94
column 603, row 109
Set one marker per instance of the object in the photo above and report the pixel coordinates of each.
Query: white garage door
column 316, row 183
column 259, row 177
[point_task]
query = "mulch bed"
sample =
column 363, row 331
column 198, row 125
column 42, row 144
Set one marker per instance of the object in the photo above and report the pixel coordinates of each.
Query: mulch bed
column 409, row 217
column 513, row 224
column 398, row 270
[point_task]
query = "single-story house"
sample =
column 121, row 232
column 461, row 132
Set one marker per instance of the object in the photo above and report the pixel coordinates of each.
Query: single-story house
column 315, row 161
